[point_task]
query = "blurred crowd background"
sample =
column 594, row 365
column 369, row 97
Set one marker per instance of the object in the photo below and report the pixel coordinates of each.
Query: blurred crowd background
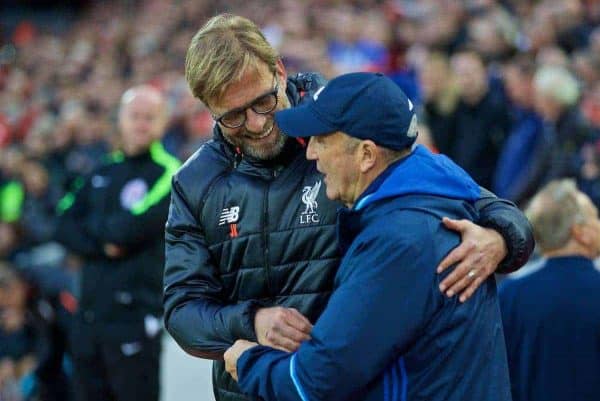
column 508, row 89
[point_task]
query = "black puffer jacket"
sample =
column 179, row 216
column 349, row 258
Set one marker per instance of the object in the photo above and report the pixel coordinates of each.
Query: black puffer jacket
column 244, row 233
column 123, row 202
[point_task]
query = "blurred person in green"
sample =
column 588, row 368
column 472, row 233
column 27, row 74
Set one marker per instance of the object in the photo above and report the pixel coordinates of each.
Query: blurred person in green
column 114, row 221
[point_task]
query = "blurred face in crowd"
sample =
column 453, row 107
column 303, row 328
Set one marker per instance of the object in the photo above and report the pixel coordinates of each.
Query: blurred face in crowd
column 245, row 111
column 142, row 119
column 13, row 302
column 336, row 155
column 470, row 75
column 13, row 294
column 518, row 85
column 11, row 161
column 591, row 105
column 546, row 106
column 35, row 178
column 434, row 77
column 8, row 238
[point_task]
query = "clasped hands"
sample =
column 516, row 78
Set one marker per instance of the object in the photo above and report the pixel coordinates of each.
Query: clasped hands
column 277, row 327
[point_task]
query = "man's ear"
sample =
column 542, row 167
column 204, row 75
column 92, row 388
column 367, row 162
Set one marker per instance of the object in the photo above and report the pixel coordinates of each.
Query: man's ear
column 368, row 153
column 582, row 234
column 281, row 74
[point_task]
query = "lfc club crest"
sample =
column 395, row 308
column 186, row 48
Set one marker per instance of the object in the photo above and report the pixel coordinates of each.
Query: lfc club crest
column 309, row 198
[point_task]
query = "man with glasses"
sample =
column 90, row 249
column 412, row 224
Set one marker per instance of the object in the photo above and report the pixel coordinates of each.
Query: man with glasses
column 264, row 104
column 251, row 250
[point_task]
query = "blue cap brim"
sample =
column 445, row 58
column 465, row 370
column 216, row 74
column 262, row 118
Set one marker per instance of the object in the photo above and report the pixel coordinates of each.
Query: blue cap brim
column 302, row 122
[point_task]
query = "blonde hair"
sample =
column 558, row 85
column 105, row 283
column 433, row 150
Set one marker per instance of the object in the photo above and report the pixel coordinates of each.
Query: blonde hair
column 221, row 52
column 553, row 212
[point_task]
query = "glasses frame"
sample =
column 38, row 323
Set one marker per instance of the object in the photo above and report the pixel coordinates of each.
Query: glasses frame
column 250, row 105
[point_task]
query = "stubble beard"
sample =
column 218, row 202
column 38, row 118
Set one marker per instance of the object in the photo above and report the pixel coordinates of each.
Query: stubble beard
column 265, row 151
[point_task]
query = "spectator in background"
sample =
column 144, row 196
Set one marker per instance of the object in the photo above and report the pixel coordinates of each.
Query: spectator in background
column 39, row 207
column 115, row 222
column 440, row 97
column 9, row 241
column 79, row 145
column 33, row 336
column 522, row 158
column 490, row 32
column 586, row 67
column 479, row 124
column 551, row 317
column 191, row 124
column 565, row 129
column 357, row 41
column 591, row 105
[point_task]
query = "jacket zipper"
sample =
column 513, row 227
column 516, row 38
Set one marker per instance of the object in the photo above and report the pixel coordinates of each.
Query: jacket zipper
column 266, row 238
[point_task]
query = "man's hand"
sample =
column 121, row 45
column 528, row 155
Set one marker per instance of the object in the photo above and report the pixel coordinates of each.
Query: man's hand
column 478, row 256
column 281, row 328
column 232, row 355
column 12, row 319
column 113, row 251
column 7, row 372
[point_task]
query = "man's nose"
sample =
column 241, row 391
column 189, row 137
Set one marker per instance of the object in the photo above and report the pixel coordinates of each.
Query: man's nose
column 255, row 122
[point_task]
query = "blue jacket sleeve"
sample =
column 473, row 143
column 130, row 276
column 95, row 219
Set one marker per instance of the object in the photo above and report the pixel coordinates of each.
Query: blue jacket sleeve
column 385, row 296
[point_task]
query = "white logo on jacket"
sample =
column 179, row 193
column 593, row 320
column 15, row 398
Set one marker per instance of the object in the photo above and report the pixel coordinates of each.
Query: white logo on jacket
column 229, row 215
column 309, row 198
column 317, row 93
column 133, row 192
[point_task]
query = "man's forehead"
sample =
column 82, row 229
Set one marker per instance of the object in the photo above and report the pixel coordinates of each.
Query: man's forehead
column 252, row 84
column 142, row 102
column 141, row 96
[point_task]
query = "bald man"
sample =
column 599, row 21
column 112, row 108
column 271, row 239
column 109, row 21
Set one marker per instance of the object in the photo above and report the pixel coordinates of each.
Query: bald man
column 114, row 221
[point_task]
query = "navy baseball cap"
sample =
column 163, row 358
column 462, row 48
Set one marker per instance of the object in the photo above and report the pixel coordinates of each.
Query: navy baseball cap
column 363, row 105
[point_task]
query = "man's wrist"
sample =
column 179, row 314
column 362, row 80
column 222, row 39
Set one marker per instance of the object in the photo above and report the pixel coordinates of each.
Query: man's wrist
column 504, row 231
column 250, row 319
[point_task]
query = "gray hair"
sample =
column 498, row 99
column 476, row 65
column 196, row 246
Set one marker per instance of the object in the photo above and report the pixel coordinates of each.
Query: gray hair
column 558, row 83
column 553, row 211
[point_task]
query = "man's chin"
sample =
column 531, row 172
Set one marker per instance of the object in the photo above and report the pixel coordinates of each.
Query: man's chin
column 265, row 151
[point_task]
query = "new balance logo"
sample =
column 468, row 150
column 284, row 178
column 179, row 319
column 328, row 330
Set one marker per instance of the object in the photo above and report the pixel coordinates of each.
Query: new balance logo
column 229, row 215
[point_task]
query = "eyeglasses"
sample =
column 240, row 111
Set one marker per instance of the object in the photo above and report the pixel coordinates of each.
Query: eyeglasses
column 263, row 104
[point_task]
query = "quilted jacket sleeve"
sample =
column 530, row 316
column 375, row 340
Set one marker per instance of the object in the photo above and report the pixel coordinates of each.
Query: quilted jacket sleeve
column 503, row 216
column 196, row 314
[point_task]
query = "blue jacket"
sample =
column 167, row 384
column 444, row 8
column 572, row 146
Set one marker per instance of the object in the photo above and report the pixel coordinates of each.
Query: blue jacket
column 552, row 328
column 522, row 160
column 388, row 333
